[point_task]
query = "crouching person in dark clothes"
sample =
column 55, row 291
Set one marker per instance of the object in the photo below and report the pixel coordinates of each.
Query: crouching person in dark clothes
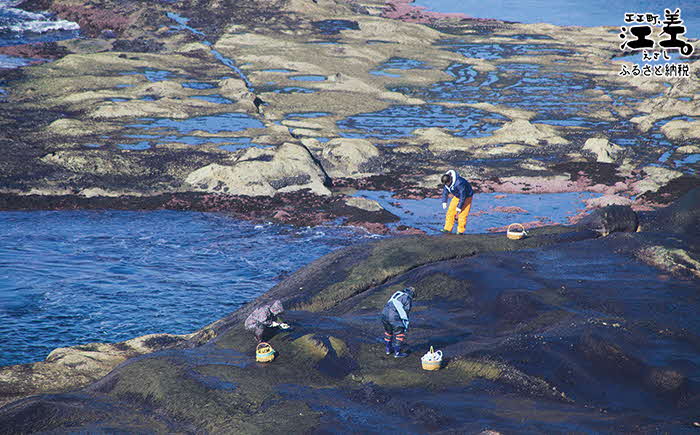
column 395, row 321
column 265, row 317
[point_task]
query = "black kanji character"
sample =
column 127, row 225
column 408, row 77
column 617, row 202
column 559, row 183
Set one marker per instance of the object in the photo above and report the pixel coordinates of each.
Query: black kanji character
column 641, row 32
column 673, row 27
column 670, row 70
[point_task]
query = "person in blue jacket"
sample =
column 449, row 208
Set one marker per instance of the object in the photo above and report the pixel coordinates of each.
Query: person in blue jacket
column 395, row 321
column 461, row 203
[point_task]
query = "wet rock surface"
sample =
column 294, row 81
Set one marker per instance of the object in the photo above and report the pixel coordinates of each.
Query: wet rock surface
column 563, row 329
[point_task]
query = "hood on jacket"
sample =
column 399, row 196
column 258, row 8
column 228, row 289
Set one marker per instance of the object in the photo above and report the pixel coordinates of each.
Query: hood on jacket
column 410, row 291
column 453, row 174
column 276, row 307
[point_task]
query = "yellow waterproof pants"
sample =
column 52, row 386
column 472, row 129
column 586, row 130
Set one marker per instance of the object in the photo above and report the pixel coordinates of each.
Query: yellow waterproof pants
column 461, row 218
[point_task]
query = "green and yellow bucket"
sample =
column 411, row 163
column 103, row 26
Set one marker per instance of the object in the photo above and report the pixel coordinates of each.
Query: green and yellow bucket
column 264, row 352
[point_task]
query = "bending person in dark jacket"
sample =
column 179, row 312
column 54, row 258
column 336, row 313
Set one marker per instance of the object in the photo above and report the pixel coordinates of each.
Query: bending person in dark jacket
column 395, row 321
column 461, row 202
column 264, row 318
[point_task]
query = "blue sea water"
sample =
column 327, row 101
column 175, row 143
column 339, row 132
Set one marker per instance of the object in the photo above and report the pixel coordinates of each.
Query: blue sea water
column 586, row 13
column 74, row 277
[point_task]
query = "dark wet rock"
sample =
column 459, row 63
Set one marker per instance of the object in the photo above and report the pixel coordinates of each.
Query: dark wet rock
column 610, row 219
column 45, row 50
column 683, row 216
column 138, row 45
column 598, row 173
column 93, row 20
column 372, row 227
column 409, row 231
column 333, row 27
column 517, row 306
column 560, row 321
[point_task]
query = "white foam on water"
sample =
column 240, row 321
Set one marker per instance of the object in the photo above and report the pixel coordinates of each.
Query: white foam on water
column 42, row 26
column 20, row 21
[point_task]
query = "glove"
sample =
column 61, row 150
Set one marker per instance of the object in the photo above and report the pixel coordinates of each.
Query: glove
column 459, row 210
column 444, row 205
column 275, row 324
column 284, row 326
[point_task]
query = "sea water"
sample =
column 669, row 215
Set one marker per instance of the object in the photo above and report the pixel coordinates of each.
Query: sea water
column 75, row 277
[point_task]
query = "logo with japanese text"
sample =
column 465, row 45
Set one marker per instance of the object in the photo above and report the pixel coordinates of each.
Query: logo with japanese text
column 657, row 39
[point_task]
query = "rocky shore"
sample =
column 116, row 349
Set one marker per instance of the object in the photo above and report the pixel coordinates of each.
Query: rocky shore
column 282, row 112
column 188, row 101
column 564, row 330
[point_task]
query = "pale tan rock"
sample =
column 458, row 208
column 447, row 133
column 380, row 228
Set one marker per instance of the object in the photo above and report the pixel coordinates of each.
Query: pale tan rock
column 688, row 149
column 604, row 150
column 98, row 191
column 76, row 127
column 344, row 157
column 606, row 200
column 364, row 203
column 73, row 367
column 162, row 89
column 311, row 143
column 507, row 149
column 407, row 149
column 96, row 162
column 291, row 168
column 661, row 175
column 681, row 130
column 646, row 185
column 306, row 132
column 232, row 88
column 519, row 131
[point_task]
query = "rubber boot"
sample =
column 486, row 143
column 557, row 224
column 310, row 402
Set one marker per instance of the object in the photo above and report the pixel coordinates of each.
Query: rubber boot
column 400, row 353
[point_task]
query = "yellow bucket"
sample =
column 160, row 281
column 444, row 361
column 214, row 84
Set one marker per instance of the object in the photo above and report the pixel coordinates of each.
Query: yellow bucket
column 514, row 234
column 264, row 352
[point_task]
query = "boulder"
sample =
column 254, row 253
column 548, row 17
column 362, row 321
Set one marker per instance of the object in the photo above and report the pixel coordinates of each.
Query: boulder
column 352, row 158
column 681, row 130
column 73, row 367
column 606, row 200
column 688, row 149
column 263, row 173
column 517, row 132
column 661, row 175
column 364, row 204
column 610, row 219
column 605, row 151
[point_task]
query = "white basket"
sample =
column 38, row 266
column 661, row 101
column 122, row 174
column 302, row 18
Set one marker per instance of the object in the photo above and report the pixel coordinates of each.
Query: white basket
column 431, row 360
